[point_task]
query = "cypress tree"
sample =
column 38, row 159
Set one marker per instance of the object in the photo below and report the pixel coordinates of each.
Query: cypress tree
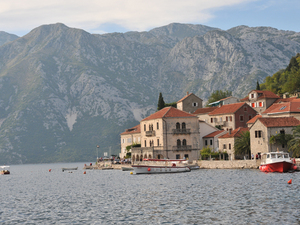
column 161, row 102
column 257, row 86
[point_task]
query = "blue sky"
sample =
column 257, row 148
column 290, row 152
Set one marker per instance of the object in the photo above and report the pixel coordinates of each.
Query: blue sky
column 101, row 16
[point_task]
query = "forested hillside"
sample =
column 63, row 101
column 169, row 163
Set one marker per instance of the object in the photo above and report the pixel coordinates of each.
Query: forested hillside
column 285, row 80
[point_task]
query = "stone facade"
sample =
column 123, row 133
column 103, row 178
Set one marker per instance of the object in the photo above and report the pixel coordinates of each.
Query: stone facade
column 174, row 135
column 260, row 100
column 260, row 138
column 129, row 137
column 232, row 116
column 190, row 103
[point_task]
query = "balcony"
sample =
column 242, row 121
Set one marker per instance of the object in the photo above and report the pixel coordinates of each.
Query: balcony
column 221, row 123
column 182, row 148
column 181, row 131
column 150, row 133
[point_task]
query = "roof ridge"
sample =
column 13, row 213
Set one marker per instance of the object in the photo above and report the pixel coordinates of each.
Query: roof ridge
column 167, row 111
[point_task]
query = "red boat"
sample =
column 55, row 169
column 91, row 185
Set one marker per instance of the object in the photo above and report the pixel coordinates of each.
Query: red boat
column 277, row 162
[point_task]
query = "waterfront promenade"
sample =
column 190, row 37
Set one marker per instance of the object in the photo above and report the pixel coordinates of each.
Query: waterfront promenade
column 203, row 164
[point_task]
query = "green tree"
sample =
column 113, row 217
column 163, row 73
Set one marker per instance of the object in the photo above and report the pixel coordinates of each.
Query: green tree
column 217, row 95
column 161, row 102
column 242, row 144
column 294, row 143
column 285, row 80
column 257, row 86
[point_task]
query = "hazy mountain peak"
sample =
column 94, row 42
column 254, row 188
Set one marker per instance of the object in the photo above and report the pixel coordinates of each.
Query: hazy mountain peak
column 6, row 37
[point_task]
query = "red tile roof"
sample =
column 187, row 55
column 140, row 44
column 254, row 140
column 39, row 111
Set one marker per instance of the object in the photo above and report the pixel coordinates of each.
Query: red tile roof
column 283, row 107
column 235, row 133
column 279, row 121
column 254, row 119
column 169, row 112
column 264, row 94
column 287, row 100
column 213, row 134
column 205, row 110
column 133, row 130
column 227, row 109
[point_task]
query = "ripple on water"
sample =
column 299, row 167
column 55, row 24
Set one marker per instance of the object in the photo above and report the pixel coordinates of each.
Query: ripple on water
column 33, row 195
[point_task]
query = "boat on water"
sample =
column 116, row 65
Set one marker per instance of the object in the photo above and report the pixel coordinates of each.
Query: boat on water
column 74, row 168
column 125, row 168
column 4, row 170
column 161, row 166
column 277, row 162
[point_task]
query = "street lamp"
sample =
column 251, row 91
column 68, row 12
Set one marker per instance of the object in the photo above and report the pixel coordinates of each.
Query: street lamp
column 97, row 152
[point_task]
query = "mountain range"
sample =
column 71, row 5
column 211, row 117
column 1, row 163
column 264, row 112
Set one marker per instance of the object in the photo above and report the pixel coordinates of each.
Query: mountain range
column 63, row 91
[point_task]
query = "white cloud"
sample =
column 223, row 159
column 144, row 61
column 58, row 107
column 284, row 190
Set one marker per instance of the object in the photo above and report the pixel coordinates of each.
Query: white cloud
column 139, row 15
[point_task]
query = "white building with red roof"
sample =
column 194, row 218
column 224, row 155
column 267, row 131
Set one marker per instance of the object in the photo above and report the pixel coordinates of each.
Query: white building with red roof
column 212, row 140
column 129, row 137
column 169, row 133
column 260, row 100
column 266, row 127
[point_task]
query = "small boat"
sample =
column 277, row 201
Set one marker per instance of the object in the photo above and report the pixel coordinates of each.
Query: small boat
column 125, row 168
column 4, row 170
column 277, row 162
column 63, row 169
column 194, row 167
column 153, row 169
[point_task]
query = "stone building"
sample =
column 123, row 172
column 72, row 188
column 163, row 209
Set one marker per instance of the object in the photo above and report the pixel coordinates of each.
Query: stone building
column 189, row 103
column 260, row 100
column 262, row 130
column 168, row 133
column 129, row 137
column 203, row 113
column 231, row 116
column 227, row 141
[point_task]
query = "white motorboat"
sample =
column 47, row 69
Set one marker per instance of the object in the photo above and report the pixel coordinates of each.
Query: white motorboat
column 4, row 170
column 277, row 162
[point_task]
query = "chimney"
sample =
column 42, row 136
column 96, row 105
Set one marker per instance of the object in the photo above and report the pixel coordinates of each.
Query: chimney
column 187, row 93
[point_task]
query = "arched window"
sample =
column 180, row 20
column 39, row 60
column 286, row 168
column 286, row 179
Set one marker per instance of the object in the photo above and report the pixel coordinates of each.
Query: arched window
column 184, row 142
column 144, row 127
column 178, row 142
column 177, row 126
column 145, row 143
column 183, row 126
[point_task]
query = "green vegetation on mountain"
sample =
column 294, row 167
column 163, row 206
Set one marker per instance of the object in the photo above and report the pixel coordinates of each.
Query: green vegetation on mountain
column 285, row 80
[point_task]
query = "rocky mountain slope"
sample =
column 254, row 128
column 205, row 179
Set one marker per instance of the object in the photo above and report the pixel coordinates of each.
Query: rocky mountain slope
column 6, row 37
column 64, row 91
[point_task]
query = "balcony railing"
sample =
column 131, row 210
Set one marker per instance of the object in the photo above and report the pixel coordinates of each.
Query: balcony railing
column 222, row 123
column 150, row 133
column 181, row 131
column 181, row 147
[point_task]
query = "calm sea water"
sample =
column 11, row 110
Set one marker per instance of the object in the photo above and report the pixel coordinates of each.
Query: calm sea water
column 33, row 195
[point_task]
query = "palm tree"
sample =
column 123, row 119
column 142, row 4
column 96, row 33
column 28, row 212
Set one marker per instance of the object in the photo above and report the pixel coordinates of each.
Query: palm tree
column 294, row 143
column 242, row 144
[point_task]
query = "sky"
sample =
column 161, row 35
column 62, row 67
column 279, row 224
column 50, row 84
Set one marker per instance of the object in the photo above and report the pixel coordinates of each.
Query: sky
column 102, row 16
